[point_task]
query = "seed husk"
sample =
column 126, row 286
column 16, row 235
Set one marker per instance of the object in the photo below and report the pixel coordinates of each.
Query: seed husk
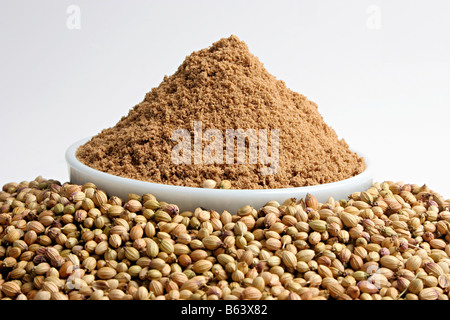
column 166, row 246
column 225, row 184
column 212, row 242
column 289, row 259
column 132, row 253
column 391, row 262
column 336, row 290
column 202, row 266
column 11, row 289
column 428, row 294
column 433, row 269
column 367, row 287
column 318, row 225
column 305, row 255
column 106, row 273
column 311, row 201
column 413, row 263
column 251, row 293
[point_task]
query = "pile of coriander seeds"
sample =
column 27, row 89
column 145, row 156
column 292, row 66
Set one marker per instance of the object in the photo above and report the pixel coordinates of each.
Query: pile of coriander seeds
column 72, row 242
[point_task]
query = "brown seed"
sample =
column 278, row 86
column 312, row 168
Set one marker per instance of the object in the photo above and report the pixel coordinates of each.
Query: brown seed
column 115, row 240
column 318, row 225
column 336, row 290
column 17, row 273
column 101, row 248
column 209, row 184
column 367, row 287
column 391, row 262
column 289, row 220
column 443, row 282
column 36, row 226
column 224, row 184
column 194, row 283
column 149, row 229
column 136, row 232
column 251, row 293
column 198, row 254
column 132, row 253
column 154, row 274
column 433, row 269
column 413, row 263
column 311, row 202
column 349, row 220
column 115, row 211
column 133, row 205
column 106, row 273
column 356, row 262
column 141, row 293
column 66, row 269
column 89, row 263
column 42, row 295
column 13, row 235
column 202, row 266
column 240, row 228
column 289, row 259
column 50, row 286
column 211, row 242
column 11, row 289
column 166, row 246
column 245, row 210
column 157, row 263
column 181, row 249
column 438, row 244
column 152, row 249
column 116, row 294
column 30, row 237
column 100, row 198
column 305, row 255
column 428, row 294
column 270, row 218
column 415, row 286
column 224, row 259
column 273, row 244
column 41, row 268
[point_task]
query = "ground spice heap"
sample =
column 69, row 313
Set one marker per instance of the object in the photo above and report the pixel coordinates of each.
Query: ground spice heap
column 225, row 87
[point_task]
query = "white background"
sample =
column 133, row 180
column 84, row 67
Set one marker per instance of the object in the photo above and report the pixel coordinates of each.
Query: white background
column 378, row 70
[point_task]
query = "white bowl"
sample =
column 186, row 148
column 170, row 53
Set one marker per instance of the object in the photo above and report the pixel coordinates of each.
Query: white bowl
column 189, row 198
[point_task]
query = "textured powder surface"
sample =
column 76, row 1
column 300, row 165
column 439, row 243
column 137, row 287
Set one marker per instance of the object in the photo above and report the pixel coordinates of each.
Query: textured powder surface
column 225, row 87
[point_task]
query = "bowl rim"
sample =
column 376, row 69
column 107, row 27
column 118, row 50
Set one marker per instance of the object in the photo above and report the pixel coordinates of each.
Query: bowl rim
column 73, row 162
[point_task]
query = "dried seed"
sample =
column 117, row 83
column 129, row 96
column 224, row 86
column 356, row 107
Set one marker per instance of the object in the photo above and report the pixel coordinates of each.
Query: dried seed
column 318, row 225
column 391, row 262
column 413, row 263
column 106, row 273
column 311, row 202
column 289, row 259
column 349, row 220
column 202, row 266
column 428, row 294
column 251, row 293
column 209, row 184
column 211, row 242
column 10, row 289
column 433, row 269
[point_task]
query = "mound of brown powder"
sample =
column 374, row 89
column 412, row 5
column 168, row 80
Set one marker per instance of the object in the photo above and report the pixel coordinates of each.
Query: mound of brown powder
column 223, row 87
